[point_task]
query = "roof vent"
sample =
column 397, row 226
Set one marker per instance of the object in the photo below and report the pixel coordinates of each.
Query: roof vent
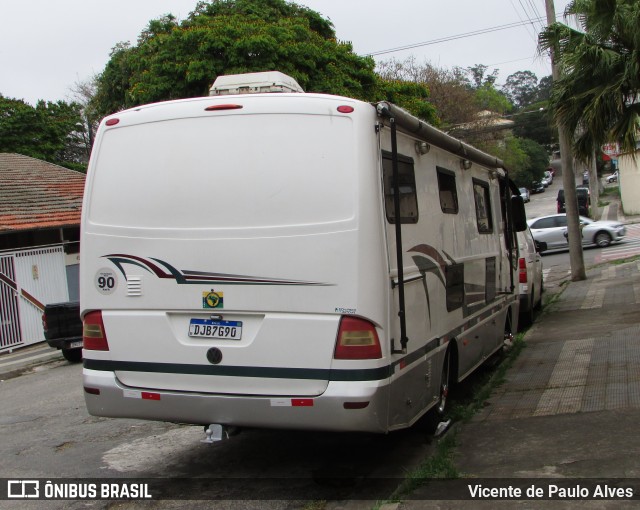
column 254, row 83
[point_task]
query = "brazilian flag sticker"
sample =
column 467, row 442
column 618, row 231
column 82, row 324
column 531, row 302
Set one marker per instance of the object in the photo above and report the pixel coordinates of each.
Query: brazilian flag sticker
column 212, row 299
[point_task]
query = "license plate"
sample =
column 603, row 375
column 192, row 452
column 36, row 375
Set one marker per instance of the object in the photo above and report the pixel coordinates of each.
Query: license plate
column 73, row 345
column 208, row 328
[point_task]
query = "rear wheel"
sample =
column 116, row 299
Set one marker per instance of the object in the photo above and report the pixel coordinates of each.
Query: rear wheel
column 429, row 423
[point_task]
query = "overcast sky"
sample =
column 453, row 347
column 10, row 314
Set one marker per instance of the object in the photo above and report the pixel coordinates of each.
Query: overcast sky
column 48, row 45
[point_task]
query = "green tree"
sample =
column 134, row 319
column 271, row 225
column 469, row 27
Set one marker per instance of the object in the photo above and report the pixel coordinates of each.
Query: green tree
column 538, row 162
column 535, row 122
column 525, row 159
column 545, row 85
column 179, row 60
column 47, row 131
column 412, row 96
column 489, row 98
column 174, row 59
column 596, row 97
column 483, row 85
column 521, row 88
column 479, row 77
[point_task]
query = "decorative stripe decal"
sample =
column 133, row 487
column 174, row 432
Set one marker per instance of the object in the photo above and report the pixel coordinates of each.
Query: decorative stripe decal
column 366, row 374
column 187, row 277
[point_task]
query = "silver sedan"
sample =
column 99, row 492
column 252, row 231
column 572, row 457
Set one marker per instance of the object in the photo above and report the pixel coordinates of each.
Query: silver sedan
column 553, row 231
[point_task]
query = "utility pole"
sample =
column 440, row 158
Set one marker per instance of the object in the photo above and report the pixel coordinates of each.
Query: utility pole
column 574, row 231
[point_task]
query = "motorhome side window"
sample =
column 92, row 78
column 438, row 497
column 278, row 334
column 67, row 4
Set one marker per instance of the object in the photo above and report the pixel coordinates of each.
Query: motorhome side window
column 447, row 190
column 407, row 187
column 483, row 207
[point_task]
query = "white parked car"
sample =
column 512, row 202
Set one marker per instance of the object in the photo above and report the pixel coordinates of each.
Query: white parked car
column 613, row 177
column 529, row 276
column 552, row 230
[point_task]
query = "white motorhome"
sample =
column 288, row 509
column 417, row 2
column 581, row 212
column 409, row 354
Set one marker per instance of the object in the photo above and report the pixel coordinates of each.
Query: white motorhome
column 242, row 264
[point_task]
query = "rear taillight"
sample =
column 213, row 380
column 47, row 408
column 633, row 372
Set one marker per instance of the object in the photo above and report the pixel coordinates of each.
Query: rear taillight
column 44, row 323
column 522, row 266
column 357, row 339
column 94, row 337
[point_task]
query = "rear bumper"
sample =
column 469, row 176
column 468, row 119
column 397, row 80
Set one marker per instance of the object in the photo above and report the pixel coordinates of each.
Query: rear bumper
column 325, row 412
column 66, row 343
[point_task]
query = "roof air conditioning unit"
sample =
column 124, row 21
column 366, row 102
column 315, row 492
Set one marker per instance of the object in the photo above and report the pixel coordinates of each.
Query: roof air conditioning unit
column 254, row 83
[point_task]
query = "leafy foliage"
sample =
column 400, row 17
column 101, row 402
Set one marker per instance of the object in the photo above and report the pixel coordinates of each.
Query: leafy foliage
column 177, row 60
column 525, row 159
column 479, row 76
column 596, row 97
column 535, row 122
column 414, row 97
column 47, row 131
column 521, row 88
column 181, row 59
column 489, row 98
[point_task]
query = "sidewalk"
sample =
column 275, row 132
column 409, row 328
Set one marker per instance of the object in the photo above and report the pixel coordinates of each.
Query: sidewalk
column 570, row 405
column 24, row 359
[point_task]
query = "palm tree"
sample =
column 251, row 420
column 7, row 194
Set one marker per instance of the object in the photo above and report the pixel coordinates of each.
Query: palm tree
column 597, row 97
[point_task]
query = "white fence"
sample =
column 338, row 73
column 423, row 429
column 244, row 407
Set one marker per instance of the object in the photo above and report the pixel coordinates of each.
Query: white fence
column 29, row 279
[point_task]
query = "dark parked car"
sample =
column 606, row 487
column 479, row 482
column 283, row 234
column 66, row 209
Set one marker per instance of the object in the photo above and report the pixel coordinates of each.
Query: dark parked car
column 537, row 187
column 583, row 201
column 63, row 329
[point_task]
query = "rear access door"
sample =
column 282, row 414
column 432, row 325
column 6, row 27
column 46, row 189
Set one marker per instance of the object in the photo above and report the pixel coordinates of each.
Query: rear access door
column 219, row 241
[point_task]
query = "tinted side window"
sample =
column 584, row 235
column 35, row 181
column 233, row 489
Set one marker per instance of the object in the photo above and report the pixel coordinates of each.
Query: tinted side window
column 407, row 187
column 483, row 207
column 544, row 223
column 448, row 191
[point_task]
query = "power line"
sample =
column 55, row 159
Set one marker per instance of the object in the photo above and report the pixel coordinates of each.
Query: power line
column 454, row 37
column 533, row 36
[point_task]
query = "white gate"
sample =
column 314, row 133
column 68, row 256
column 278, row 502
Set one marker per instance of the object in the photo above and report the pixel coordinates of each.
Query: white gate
column 29, row 279
column 9, row 317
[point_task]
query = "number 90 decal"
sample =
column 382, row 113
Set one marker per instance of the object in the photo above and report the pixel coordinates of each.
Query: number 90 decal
column 106, row 281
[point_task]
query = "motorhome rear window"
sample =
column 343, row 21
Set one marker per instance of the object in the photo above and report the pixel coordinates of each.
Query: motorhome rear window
column 483, row 206
column 227, row 173
column 407, row 186
column 448, row 192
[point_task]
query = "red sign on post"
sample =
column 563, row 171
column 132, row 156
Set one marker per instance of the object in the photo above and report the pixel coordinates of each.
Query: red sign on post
column 611, row 149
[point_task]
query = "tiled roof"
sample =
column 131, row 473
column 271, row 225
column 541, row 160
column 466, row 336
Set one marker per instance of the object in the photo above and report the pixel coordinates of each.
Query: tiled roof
column 35, row 194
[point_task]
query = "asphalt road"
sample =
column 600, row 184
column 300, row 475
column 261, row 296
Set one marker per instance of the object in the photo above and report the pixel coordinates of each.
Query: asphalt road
column 47, row 434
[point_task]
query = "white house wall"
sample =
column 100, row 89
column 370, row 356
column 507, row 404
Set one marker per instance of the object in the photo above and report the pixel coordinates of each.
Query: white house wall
column 629, row 181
